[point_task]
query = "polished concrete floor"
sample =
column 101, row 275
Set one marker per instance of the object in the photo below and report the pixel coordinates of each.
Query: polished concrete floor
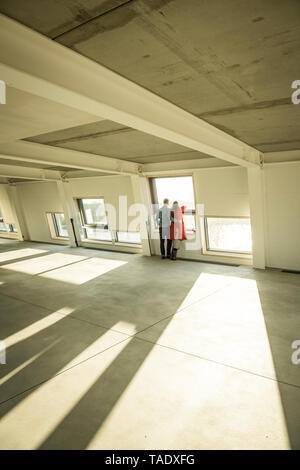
column 115, row 351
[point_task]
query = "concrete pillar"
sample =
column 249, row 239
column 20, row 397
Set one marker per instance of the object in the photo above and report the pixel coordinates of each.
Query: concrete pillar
column 141, row 196
column 23, row 233
column 63, row 195
column 256, row 200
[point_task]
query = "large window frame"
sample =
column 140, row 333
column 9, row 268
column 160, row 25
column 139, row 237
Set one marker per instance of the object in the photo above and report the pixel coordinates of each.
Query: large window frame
column 154, row 199
column 114, row 235
column 54, row 227
column 87, row 225
column 208, row 250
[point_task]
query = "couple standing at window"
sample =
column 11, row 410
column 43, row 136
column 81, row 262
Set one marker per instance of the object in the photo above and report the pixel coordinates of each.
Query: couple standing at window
column 171, row 228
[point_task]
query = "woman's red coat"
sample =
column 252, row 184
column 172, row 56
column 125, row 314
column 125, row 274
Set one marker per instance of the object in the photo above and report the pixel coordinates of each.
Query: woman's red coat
column 179, row 224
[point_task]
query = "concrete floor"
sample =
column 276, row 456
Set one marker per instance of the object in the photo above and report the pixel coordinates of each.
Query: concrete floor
column 108, row 350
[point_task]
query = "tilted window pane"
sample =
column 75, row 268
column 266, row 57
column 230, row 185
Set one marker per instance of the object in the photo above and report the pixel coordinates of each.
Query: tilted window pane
column 179, row 188
column 229, row 234
column 13, row 228
column 3, row 227
column 61, row 225
column 94, row 211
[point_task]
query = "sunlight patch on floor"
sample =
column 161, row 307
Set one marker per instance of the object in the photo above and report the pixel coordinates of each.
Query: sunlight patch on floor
column 44, row 263
column 25, row 364
column 84, row 271
column 23, row 253
column 37, row 326
column 39, row 413
column 205, row 285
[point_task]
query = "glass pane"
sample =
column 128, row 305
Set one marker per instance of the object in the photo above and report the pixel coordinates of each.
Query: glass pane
column 98, row 234
column 3, row 227
column 225, row 234
column 13, row 228
column 94, row 211
column 189, row 221
column 61, row 226
column 179, row 189
column 129, row 237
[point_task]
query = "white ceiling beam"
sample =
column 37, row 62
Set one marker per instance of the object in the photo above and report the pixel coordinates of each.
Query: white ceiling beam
column 12, row 171
column 182, row 166
column 54, row 156
column 38, row 65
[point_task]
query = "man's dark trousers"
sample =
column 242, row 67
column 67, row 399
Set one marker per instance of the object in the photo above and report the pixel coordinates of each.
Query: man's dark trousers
column 162, row 244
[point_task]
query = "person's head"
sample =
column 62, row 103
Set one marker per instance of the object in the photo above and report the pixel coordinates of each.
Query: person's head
column 166, row 201
column 175, row 203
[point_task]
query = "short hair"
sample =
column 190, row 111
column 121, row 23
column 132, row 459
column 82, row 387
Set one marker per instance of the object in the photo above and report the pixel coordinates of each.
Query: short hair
column 166, row 201
column 175, row 202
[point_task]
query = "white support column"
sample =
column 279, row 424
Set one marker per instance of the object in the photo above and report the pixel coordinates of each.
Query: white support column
column 23, row 233
column 140, row 194
column 67, row 211
column 256, row 199
column 8, row 210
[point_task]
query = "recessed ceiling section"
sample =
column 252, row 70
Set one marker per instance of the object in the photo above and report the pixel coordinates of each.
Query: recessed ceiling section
column 25, row 114
column 110, row 139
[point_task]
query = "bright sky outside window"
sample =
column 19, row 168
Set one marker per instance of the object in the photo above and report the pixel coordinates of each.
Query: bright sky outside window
column 94, row 211
column 94, row 225
column 179, row 188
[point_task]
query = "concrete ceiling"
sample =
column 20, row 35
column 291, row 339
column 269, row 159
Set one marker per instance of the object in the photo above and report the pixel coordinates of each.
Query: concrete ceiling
column 231, row 63
column 114, row 140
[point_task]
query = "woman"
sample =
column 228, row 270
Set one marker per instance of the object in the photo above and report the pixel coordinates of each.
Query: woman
column 177, row 232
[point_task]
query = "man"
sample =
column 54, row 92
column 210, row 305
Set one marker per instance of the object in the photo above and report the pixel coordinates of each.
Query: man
column 164, row 220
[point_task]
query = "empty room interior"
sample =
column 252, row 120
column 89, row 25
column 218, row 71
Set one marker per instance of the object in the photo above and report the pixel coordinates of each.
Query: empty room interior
column 149, row 224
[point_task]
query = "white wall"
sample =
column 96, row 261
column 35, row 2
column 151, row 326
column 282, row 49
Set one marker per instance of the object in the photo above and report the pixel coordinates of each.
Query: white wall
column 223, row 191
column 36, row 199
column 282, row 212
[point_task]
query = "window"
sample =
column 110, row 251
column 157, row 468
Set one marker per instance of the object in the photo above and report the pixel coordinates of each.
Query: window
column 60, row 225
column 13, row 228
column 178, row 188
column 3, row 227
column 57, row 225
column 128, row 237
column 229, row 234
column 7, row 227
column 94, row 219
column 97, row 234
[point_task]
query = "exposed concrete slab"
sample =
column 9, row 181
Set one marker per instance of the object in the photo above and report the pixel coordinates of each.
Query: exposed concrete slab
column 215, row 347
column 234, row 57
column 24, row 115
column 60, row 16
column 113, row 140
